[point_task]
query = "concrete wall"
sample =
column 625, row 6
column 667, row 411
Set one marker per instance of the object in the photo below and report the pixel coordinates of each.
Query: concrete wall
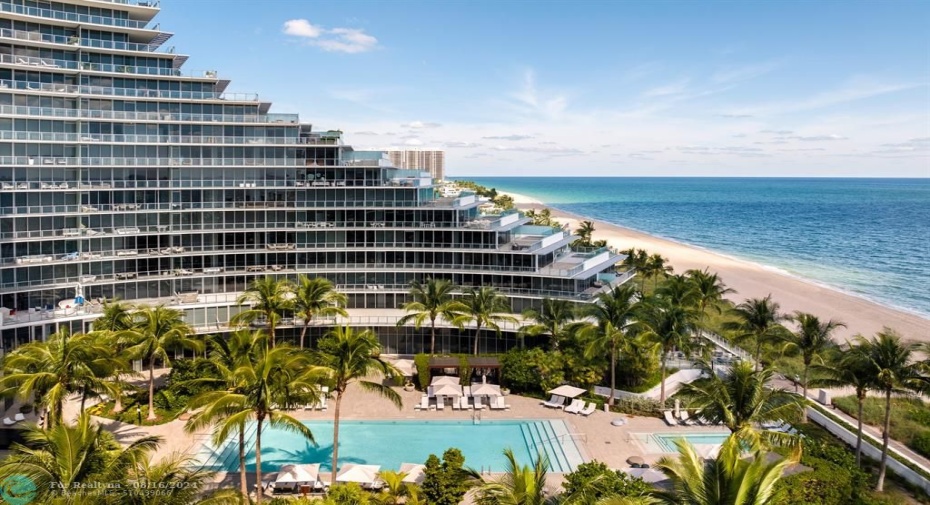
column 672, row 384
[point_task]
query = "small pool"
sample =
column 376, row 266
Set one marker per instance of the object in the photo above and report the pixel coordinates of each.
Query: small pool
column 665, row 442
column 390, row 443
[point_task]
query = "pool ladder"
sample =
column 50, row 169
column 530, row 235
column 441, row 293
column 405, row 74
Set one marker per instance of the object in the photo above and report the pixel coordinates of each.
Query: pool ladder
column 476, row 417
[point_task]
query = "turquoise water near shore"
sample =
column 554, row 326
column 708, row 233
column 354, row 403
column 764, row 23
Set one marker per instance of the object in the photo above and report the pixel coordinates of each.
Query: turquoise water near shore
column 868, row 237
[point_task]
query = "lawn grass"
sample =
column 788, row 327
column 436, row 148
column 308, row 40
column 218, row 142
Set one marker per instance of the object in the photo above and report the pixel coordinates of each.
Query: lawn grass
column 910, row 418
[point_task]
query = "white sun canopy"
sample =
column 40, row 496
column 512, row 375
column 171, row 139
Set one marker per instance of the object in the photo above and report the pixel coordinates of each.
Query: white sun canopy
column 363, row 474
column 298, row 474
column 566, row 391
column 440, row 380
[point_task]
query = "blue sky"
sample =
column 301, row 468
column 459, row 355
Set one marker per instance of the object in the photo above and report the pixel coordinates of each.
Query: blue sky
column 781, row 88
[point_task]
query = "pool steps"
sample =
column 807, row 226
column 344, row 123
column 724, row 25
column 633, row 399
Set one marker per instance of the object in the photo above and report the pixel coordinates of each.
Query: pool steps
column 551, row 438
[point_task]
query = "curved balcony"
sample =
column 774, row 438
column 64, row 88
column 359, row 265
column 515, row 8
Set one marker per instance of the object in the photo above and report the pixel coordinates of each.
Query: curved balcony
column 73, row 17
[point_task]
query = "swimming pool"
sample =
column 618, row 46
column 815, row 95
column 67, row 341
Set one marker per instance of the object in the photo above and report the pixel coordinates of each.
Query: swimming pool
column 390, row 443
column 665, row 442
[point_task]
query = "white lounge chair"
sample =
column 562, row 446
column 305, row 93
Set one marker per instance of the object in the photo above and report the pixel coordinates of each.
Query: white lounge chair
column 464, row 404
column 19, row 417
column 498, row 404
column 589, row 409
column 669, row 418
column 322, row 404
column 686, row 418
column 457, row 403
column 424, row 403
column 575, row 407
column 8, row 422
column 440, row 405
column 555, row 402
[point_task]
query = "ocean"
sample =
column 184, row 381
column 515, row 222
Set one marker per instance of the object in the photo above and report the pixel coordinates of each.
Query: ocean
column 867, row 237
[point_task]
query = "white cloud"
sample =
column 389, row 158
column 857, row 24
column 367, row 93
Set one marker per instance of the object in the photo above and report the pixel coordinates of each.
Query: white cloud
column 413, row 142
column 855, row 89
column 743, row 73
column 531, row 101
column 817, row 138
column 420, row 124
column 366, row 132
column 508, row 137
column 341, row 40
column 673, row 88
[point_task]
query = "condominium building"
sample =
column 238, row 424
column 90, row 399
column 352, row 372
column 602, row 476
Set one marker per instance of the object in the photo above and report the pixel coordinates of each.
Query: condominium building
column 431, row 161
column 125, row 176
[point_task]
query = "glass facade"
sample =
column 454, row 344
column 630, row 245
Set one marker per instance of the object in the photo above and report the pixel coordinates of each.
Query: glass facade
column 124, row 176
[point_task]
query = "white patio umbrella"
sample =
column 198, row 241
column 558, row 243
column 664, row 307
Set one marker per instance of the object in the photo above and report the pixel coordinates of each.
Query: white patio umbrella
column 650, row 475
column 447, row 390
column 566, row 391
column 677, row 407
column 362, row 474
column 298, row 474
column 415, row 472
column 441, row 380
column 486, row 390
column 406, row 367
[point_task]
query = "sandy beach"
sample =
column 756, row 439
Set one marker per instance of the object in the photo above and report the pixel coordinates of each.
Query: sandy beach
column 751, row 280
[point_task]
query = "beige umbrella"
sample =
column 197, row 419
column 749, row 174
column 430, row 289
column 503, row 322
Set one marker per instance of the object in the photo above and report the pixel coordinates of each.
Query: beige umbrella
column 298, row 474
column 447, row 390
column 567, row 391
column 363, row 474
column 486, row 390
column 441, row 380
column 415, row 473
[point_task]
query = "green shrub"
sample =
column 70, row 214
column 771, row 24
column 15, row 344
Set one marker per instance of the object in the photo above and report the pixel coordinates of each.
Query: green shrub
column 921, row 443
column 909, row 418
column 532, row 370
column 638, row 406
column 464, row 370
column 445, row 482
column 422, row 363
column 827, row 484
column 347, row 494
column 592, row 481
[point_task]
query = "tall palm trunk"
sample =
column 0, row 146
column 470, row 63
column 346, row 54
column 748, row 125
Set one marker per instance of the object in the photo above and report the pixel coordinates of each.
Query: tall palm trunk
column 662, row 386
column 804, row 410
column 432, row 336
column 886, row 436
column 303, row 333
column 860, row 397
column 243, row 483
column 613, row 373
column 83, row 398
column 258, row 460
column 477, row 336
column 271, row 333
column 332, row 479
column 151, row 389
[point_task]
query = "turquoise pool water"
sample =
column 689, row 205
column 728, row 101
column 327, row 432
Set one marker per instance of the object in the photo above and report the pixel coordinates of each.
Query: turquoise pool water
column 666, row 441
column 390, row 443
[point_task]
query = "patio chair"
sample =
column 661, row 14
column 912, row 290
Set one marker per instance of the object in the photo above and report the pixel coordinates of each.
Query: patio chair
column 440, row 405
column 8, row 422
column 457, row 403
column 686, row 418
column 423, row 405
column 555, row 402
column 19, row 417
column 669, row 418
column 589, row 409
column 575, row 406
column 498, row 404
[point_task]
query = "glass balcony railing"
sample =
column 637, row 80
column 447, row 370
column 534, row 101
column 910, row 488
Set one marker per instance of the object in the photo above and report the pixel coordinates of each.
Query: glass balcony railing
column 143, row 139
column 153, row 162
column 73, row 17
column 56, row 64
column 125, row 92
column 74, row 40
column 21, row 110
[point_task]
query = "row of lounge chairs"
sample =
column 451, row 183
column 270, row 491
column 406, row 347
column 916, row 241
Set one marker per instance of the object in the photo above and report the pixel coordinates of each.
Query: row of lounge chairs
column 575, row 407
column 16, row 419
column 463, row 403
column 685, row 419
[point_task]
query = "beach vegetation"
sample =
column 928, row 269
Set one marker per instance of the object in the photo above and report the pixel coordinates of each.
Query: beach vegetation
column 317, row 297
column 849, row 368
column 354, row 356
column 669, row 325
column 154, row 332
column 421, row 362
column 709, row 293
column 593, row 481
column 349, row 493
column 742, row 401
column 757, row 324
column 550, row 320
column 432, row 300
column 268, row 299
column 532, row 371
column 519, row 484
column 446, row 481
column 811, row 341
column 486, row 308
column 614, row 314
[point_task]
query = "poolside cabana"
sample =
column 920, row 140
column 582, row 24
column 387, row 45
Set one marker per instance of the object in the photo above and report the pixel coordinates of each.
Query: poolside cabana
column 291, row 478
column 480, row 365
column 444, row 380
column 447, row 390
column 365, row 475
column 485, row 390
column 416, row 473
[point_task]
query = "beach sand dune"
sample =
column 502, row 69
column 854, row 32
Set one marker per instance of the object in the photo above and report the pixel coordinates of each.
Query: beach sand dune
column 751, row 280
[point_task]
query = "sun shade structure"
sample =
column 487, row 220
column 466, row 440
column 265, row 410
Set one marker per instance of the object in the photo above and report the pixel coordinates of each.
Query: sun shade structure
column 363, row 474
column 444, row 380
column 416, row 473
column 486, row 390
column 442, row 362
column 406, row 367
column 447, row 390
column 567, row 391
column 298, row 474
column 650, row 475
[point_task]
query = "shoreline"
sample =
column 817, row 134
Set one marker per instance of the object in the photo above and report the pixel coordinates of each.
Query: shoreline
column 754, row 280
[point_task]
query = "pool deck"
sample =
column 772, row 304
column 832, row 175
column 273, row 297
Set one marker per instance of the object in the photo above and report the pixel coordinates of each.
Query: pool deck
column 596, row 438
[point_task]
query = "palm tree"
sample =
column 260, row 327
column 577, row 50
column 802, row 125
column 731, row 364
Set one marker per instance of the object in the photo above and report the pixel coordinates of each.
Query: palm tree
column 849, row 368
column 669, row 325
column 811, row 340
column 227, row 355
column 550, row 319
column 486, row 308
column 268, row 299
column 758, row 324
column 742, row 401
column 317, row 297
column 710, row 291
column 728, row 479
column 395, row 489
column 520, row 485
column 585, row 233
column 155, row 331
column 637, row 259
column 50, row 371
column 892, row 371
column 431, row 300
column 657, row 265
column 117, row 316
column 613, row 312
column 354, row 357
column 66, row 460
